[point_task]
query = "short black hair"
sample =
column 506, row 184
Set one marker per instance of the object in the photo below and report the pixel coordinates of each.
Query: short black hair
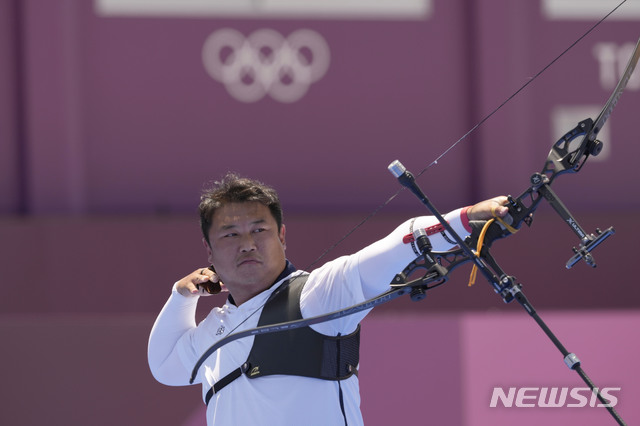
column 236, row 189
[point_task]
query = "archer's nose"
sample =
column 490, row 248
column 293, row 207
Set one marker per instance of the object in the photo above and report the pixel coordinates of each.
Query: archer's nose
column 247, row 243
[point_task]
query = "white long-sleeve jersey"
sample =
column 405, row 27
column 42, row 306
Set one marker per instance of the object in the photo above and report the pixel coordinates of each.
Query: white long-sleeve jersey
column 176, row 343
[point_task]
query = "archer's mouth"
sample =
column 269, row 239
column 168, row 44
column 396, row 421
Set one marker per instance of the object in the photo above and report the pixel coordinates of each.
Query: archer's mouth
column 248, row 261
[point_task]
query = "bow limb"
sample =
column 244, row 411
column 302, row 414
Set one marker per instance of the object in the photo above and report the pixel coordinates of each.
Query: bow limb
column 613, row 99
column 303, row 322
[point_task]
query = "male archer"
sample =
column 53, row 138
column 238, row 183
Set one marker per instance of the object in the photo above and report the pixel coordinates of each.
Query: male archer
column 304, row 376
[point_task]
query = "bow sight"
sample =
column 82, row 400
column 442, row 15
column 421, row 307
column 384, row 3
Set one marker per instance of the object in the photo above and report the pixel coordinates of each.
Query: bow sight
column 567, row 155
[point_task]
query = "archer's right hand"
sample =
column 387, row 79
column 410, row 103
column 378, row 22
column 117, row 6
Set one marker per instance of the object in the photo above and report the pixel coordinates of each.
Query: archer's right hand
column 201, row 282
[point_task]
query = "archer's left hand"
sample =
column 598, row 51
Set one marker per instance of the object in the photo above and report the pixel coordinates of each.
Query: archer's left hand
column 485, row 210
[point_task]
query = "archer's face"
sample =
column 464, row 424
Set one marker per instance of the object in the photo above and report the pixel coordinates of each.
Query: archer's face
column 247, row 249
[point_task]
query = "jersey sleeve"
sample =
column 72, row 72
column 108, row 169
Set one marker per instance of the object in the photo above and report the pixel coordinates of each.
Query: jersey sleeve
column 170, row 350
column 379, row 262
column 349, row 280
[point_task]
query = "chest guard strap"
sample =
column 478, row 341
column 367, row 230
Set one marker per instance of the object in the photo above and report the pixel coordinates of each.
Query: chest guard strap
column 298, row 352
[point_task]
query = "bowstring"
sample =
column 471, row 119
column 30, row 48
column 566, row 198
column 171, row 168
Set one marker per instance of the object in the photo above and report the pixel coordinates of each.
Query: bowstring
column 440, row 157
column 488, row 116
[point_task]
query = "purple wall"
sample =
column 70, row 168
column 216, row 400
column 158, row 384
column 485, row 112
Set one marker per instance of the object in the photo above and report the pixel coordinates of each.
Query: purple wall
column 11, row 186
column 130, row 120
column 110, row 124
column 436, row 368
column 120, row 114
column 491, row 359
column 576, row 87
column 80, row 296
column 87, row 265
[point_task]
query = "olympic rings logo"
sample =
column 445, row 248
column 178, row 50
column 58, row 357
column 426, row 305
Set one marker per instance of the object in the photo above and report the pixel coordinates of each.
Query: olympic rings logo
column 266, row 63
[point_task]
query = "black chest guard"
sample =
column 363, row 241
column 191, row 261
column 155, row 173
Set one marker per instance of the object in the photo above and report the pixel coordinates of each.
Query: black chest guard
column 298, row 352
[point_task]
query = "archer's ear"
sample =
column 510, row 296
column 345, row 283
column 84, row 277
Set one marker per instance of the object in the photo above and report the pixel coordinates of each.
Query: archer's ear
column 281, row 236
column 207, row 247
